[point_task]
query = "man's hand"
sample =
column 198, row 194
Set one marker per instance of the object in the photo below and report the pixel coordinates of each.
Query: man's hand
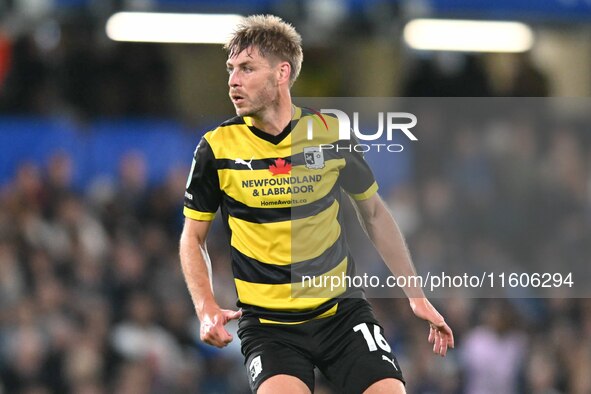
column 440, row 335
column 213, row 321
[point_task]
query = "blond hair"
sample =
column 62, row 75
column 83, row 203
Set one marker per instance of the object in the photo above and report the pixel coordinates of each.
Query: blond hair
column 272, row 37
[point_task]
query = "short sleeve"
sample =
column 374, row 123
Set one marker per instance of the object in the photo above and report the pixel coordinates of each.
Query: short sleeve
column 202, row 194
column 356, row 177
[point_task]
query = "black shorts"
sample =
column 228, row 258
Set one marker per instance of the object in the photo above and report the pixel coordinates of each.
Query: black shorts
column 348, row 348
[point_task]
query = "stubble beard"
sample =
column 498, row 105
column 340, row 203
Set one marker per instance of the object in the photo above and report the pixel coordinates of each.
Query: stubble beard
column 252, row 113
column 263, row 101
column 255, row 109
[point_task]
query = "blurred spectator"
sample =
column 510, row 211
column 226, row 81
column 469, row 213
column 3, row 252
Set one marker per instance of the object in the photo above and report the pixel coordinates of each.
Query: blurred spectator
column 542, row 371
column 58, row 181
column 138, row 338
column 493, row 353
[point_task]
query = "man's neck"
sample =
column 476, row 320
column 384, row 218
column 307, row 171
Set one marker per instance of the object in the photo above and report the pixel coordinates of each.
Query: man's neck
column 275, row 119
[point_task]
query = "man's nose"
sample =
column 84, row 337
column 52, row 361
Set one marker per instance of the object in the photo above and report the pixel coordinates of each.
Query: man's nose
column 233, row 79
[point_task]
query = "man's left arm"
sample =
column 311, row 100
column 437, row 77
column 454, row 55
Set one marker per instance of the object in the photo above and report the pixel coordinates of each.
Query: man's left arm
column 389, row 242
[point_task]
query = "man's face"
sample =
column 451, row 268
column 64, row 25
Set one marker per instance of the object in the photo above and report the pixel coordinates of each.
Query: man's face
column 252, row 81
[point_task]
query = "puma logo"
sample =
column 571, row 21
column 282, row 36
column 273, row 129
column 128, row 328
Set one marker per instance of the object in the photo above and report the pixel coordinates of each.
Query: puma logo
column 390, row 361
column 244, row 163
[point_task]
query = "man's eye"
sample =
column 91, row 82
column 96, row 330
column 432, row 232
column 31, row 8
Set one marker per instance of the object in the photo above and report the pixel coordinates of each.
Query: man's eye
column 229, row 70
column 247, row 69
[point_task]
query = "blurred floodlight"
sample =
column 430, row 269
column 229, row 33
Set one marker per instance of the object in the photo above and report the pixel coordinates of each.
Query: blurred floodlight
column 172, row 28
column 468, row 36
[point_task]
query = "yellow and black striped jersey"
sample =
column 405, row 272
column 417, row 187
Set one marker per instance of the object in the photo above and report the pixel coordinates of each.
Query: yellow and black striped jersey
column 280, row 200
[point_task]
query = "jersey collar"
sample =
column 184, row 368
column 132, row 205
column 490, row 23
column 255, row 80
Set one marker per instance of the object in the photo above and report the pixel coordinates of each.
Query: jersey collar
column 275, row 139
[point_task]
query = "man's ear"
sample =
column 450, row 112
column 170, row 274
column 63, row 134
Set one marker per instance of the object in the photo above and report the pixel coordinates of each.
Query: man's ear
column 284, row 72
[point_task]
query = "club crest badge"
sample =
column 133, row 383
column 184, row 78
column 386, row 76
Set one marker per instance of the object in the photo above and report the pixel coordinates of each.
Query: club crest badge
column 313, row 157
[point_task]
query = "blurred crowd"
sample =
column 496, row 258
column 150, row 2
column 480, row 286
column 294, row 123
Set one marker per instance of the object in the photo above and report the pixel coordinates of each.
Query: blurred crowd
column 92, row 298
column 505, row 196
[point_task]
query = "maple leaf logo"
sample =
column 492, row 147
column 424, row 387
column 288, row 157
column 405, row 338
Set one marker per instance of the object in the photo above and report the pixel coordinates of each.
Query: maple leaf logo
column 280, row 167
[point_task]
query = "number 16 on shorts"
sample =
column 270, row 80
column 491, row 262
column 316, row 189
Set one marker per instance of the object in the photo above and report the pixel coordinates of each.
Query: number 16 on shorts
column 375, row 340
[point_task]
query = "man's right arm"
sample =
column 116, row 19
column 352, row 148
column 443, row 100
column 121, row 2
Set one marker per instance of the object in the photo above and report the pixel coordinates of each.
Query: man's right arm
column 196, row 267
